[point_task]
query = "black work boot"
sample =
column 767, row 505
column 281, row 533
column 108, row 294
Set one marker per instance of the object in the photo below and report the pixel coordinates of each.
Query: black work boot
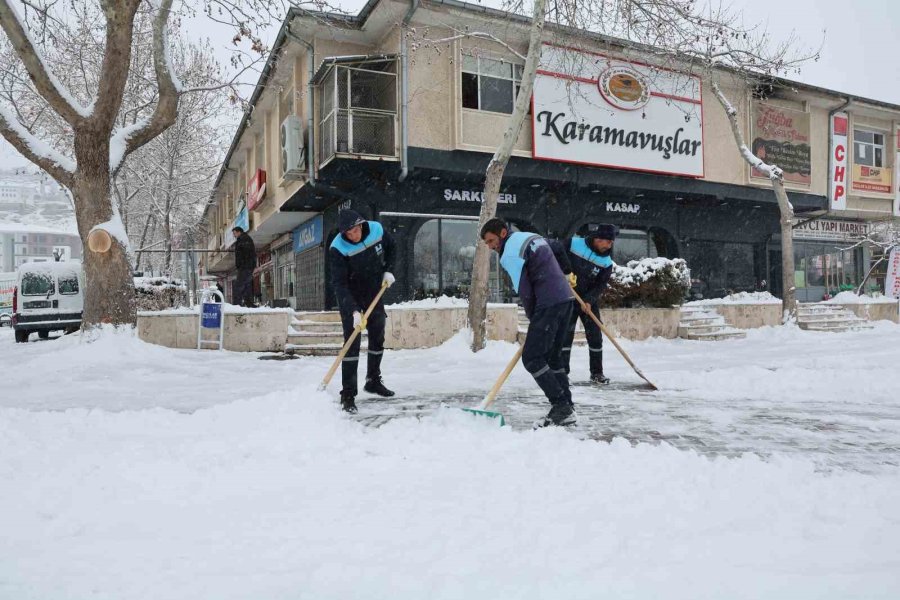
column 599, row 378
column 348, row 403
column 376, row 386
column 561, row 414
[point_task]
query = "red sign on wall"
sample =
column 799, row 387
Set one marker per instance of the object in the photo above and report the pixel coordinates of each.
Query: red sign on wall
column 256, row 189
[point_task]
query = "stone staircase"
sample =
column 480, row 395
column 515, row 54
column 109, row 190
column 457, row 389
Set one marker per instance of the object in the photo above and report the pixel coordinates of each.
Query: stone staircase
column 829, row 317
column 703, row 323
column 317, row 334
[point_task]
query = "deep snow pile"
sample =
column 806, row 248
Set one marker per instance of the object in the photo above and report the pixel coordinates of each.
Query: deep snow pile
column 255, row 486
column 738, row 298
column 847, row 297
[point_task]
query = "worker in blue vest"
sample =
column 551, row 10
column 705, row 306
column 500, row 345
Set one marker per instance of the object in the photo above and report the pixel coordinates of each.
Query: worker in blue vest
column 589, row 259
column 547, row 298
column 361, row 259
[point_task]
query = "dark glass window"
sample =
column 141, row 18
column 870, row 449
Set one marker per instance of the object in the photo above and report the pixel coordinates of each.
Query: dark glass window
column 489, row 84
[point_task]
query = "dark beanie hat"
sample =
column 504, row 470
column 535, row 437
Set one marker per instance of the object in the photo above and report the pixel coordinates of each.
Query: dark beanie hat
column 348, row 219
column 604, row 231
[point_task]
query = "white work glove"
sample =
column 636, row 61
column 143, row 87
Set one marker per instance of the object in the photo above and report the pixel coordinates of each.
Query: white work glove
column 388, row 279
column 359, row 322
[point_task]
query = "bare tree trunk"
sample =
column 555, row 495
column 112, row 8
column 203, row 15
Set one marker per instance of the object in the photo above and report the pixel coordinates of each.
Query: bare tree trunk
column 140, row 255
column 478, row 291
column 109, row 293
column 788, row 302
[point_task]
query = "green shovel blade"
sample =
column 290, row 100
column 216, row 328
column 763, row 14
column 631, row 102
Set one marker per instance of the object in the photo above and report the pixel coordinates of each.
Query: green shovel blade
column 487, row 413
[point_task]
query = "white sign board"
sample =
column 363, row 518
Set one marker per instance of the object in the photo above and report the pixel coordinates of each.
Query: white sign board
column 837, row 189
column 892, row 281
column 595, row 110
column 897, row 170
column 828, row 229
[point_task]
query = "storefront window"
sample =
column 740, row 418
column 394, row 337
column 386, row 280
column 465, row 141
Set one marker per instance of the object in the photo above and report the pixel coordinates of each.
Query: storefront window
column 442, row 263
column 823, row 268
column 633, row 244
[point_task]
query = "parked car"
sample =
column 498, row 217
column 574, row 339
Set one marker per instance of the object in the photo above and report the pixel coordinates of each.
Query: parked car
column 48, row 296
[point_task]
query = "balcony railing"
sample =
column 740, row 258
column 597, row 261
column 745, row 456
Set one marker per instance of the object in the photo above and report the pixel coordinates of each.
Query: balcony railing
column 359, row 111
column 359, row 131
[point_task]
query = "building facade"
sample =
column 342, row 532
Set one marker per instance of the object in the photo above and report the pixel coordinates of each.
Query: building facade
column 20, row 244
column 350, row 113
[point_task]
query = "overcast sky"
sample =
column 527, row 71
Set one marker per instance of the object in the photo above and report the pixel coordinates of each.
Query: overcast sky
column 860, row 45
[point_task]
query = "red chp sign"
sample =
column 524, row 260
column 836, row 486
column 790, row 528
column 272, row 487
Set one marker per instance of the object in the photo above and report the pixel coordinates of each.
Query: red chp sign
column 256, row 189
column 838, row 187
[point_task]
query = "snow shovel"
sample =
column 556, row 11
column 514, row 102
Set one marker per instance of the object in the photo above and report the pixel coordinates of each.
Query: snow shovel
column 489, row 399
column 614, row 342
column 352, row 337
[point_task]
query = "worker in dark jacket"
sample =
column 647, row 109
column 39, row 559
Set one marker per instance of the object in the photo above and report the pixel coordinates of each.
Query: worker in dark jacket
column 547, row 297
column 589, row 260
column 245, row 262
column 361, row 259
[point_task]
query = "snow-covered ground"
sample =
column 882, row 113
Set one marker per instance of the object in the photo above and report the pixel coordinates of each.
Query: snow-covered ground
column 763, row 468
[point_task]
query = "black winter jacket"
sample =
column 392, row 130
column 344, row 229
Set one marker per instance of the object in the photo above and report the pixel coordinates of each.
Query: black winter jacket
column 244, row 252
column 592, row 278
column 357, row 269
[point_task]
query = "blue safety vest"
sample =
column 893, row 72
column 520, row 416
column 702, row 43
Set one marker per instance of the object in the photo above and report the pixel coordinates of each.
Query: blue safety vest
column 376, row 233
column 513, row 258
column 579, row 248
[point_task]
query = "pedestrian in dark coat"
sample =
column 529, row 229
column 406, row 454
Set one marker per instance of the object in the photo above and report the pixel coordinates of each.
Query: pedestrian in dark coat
column 589, row 259
column 245, row 262
column 361, row 258
column 546, row 296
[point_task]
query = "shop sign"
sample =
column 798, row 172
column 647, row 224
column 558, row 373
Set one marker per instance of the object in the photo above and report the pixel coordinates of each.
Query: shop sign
column 871, row 179
column 476, row 196
column 256, row 189
column 595, row 110
column 308, row 235
column 242, row 220
column 623, row 207
column 838, row 160
column 781, row 137
column 892, row 281
column 897, row 170
column 826, row 229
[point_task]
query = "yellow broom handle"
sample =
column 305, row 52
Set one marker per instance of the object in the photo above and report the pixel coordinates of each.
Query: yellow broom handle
column 489, row 399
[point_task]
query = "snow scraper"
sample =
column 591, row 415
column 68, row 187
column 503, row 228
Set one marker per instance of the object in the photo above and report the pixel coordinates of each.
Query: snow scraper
column 489, row 399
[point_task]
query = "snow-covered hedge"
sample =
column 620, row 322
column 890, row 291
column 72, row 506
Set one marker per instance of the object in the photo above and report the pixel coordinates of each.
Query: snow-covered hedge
column 159, row 293
column 650, row 282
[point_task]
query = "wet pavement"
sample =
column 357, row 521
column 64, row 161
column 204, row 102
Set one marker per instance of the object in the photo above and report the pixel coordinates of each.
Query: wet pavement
column 857, row 436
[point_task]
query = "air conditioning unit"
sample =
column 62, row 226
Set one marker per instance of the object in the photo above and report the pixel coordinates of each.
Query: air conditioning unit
column 292, row 151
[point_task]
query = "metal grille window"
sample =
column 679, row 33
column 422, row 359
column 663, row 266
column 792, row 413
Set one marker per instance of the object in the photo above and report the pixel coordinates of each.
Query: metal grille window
column 284, row 271
column 310, row 278
column 359, row 109
column 490, row 84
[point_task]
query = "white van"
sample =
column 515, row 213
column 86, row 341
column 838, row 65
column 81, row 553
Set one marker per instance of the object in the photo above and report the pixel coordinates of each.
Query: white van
column 49, row 296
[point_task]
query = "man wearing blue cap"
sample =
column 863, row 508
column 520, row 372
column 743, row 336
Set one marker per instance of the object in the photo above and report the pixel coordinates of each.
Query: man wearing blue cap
column 361, row 258
column 589, row 260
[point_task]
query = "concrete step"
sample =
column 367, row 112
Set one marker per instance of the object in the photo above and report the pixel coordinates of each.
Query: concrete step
column 312, row 338
column 701, row 320
column 835, row 321
column 685, row 331
column 325, row 316
column 318, row 349
column 824, row 316
column 834, row 325
column 725, row 334
column 318, row 326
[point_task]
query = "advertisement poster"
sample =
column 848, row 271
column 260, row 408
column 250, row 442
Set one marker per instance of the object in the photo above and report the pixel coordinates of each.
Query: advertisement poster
column 871, row 179
column 892, row 281
column 780, row 136
column 592, row 109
